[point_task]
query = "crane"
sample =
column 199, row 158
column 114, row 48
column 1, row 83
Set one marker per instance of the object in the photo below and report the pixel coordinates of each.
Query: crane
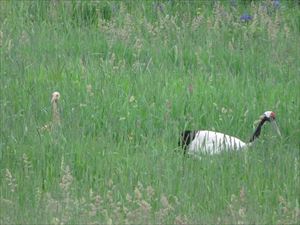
column 211, row 142
column 55, row 113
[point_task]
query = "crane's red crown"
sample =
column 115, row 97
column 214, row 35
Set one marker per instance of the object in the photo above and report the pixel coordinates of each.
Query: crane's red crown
column 270, row 115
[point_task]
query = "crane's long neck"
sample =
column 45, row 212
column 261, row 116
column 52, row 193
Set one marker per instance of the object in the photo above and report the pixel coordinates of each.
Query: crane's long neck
column 55, row 113
column 258, row 130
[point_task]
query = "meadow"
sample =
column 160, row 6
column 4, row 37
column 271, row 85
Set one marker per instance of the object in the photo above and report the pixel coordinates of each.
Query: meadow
column 131, row 76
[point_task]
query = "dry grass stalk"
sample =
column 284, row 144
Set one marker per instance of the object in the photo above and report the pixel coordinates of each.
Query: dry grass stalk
column 11, row 181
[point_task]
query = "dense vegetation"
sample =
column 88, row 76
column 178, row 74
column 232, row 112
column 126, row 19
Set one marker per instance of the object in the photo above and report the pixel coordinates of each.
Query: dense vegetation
column 131, row 76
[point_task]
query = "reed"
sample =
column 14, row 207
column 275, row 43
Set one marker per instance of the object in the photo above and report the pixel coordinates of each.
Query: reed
column 131, row 76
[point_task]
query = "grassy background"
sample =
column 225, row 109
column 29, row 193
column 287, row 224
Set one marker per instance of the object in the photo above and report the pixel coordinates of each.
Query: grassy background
column 131, row 76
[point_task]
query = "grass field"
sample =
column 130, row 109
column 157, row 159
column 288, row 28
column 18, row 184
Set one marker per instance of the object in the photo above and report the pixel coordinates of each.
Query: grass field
column 131, row 76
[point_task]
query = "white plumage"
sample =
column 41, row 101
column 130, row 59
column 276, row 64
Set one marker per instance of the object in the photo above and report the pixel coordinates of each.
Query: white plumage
column 212, row 142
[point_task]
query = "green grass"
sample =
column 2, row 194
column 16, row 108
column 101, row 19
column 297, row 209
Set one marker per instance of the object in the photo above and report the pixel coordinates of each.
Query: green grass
column 131, row 76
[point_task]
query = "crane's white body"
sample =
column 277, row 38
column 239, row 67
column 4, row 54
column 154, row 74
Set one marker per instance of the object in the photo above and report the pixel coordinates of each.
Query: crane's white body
column 212, row 142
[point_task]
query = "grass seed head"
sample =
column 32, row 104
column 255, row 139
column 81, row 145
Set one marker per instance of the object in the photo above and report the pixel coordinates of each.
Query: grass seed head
column 66, row 179
column 137, row 193
column 11, row 181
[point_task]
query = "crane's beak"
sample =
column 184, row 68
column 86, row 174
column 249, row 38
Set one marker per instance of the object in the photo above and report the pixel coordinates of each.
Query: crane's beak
column 276, row 128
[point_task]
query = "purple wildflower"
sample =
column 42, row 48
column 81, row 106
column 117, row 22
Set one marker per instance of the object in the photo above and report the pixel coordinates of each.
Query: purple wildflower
column 276, row 4
column 246, row 17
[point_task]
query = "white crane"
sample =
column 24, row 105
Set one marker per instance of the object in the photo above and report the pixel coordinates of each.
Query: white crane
column 211, row 142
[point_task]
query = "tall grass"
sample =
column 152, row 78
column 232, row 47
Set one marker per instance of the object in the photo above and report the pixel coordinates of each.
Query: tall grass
column 131, row 76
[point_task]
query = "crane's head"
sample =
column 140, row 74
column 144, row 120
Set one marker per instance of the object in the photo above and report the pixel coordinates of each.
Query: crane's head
column 270, row 117
column 55, row 97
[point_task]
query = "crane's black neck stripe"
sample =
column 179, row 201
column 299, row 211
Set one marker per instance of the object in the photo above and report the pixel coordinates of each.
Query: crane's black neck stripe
column 258, row 129
column 186, row 137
